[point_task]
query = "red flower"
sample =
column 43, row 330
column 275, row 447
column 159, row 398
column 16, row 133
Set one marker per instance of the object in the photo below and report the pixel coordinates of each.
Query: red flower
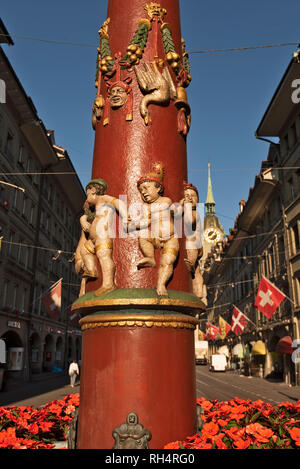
column 241, row 444
column 173, row 445
column 210, row 429
column 261, row 433
column 295, row 435
column 33, row 428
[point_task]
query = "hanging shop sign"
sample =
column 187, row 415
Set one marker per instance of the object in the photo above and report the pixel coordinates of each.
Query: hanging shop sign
column 15, row 324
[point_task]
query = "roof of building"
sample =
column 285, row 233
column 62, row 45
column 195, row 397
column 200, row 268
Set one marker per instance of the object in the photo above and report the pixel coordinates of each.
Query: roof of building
column 282, row 105
column 5, row 38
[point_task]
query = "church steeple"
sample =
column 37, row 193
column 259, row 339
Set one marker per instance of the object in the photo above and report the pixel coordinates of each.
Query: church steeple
column 210, row 203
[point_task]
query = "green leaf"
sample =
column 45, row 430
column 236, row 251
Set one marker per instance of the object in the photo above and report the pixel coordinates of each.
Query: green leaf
column 255, row 416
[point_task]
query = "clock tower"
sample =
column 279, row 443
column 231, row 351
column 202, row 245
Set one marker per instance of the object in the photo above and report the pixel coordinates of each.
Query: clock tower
column 213, row 230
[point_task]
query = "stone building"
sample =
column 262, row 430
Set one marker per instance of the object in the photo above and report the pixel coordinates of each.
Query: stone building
column 39, row 230
column 265, row 242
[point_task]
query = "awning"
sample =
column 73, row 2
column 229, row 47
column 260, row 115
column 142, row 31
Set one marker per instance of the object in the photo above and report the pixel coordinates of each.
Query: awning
column 238, row 351
column 259, row 348
column 284, row 345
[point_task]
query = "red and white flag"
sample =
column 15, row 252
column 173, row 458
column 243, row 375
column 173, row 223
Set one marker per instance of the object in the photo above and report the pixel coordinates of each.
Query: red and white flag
column 74, row 316
column 52, row 301
column 238, row 321
column 211, row 331
column 268, row 298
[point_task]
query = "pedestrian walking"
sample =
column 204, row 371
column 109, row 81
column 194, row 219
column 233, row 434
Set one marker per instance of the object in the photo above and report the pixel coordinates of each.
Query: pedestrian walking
column 73, row 372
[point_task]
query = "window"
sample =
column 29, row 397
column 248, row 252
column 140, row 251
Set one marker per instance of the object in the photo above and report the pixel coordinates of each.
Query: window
column 9, row 145
column 295, row 238
column 24, row 206
column 20, row 252
column 21, row 155
column 32, row 211
column 24, row 296
column 26, row 258
column 291, row 190
column 15, row 296
column 5, row 293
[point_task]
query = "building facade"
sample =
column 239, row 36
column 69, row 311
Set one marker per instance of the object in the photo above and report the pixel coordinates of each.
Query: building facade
column 39, row 229
column 265, row 242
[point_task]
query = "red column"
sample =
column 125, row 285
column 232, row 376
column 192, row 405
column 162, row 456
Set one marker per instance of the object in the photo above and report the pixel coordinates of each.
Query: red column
column 138, row 349
column 124, row 151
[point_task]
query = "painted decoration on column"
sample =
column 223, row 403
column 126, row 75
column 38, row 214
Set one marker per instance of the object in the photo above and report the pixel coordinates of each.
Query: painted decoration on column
column 154, row 78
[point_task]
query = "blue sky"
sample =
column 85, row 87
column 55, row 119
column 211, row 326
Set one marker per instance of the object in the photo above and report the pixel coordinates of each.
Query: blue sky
column 228, row 94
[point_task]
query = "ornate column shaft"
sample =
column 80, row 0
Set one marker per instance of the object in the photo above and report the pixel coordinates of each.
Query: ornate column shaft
column 138, row 365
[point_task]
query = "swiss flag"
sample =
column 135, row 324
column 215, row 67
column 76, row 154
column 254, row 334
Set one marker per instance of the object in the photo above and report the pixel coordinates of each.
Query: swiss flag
column 238, row 321
column 211, row 331
column 268, row 298
column 52, row 301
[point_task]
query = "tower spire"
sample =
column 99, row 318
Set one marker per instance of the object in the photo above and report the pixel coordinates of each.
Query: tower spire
column 210, row 203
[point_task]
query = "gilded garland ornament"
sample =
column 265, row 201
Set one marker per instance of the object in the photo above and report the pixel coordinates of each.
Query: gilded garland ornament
column 108, row 64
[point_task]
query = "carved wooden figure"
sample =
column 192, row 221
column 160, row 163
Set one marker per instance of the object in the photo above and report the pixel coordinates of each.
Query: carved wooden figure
column 157, row 228
column 193, row 234
column 101, row 232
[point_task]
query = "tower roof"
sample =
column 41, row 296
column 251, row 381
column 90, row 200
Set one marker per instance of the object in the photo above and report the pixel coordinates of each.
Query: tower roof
column 210, row 197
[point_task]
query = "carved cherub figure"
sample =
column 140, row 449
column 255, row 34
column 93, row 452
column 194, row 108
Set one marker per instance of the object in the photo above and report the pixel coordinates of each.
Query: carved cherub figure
column 156, row 228
column 101, row 231
column 193, row 235
column 159, row 87
column 85, row 259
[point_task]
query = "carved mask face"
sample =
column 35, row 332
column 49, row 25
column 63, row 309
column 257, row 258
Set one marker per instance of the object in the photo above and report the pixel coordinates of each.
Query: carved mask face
column 117, row 97
column 149, row 191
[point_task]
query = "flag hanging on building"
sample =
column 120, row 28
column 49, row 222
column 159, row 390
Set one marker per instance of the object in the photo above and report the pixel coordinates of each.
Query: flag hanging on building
column 73, row 316
column 239, row 321
column 268, row 298
column 201, row 335
column 224, row 327
column 211, row 331
column 52, row 300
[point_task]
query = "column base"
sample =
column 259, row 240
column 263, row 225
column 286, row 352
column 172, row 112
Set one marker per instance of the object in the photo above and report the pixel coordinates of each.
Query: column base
column 141, row 363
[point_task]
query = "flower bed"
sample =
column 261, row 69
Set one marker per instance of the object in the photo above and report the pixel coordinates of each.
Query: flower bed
column 240, row 424
column 28, row 428
column 234, row 424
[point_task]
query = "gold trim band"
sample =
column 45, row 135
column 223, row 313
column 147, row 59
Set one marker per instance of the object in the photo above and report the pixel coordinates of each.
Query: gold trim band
column 178, row 321
column 138, row 301
column 170, row 251
column 89, row 248
column 104, row 245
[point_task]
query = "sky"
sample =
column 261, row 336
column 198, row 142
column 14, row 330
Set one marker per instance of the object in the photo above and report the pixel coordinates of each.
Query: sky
column 229, row 92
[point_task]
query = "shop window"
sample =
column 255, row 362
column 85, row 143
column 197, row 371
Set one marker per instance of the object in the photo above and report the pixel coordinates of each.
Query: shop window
column 15, row 358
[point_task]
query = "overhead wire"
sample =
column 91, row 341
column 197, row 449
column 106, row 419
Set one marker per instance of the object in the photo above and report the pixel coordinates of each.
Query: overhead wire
column 204, row 51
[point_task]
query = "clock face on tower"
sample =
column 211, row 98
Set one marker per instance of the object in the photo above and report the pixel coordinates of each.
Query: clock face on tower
column 212, row 235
